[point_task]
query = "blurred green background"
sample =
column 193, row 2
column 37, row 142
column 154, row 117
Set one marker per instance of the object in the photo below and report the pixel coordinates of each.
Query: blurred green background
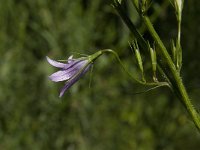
column 106, row 115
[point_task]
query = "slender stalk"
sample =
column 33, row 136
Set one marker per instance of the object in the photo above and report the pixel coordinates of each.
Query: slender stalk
column 157, row 10
column 178, row 81
column 156, row 84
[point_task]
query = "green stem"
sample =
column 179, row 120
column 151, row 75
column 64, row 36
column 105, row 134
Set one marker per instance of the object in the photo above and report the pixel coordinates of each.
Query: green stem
column 157, row 10
column 131, row 76
column 178, row 81
column 122, row 65
column 141, row 41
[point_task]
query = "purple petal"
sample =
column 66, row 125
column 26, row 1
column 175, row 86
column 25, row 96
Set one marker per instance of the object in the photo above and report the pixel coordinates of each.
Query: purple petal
column 74, row 63
column 66, row 74
column 60, row 76
column 63, row 75
column 55, row 63
column 71, row 62
column 77, row 65
column 68, row 85
column 73, row 81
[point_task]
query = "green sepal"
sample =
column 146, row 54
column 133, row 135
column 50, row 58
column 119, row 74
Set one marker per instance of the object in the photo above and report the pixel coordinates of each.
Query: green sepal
column 174, row 53
column 144, row 6
column 179, row 55
column 153, row 62
column 134, row 46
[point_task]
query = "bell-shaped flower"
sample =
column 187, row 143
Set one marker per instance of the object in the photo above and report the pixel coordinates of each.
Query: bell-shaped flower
column 71, row 71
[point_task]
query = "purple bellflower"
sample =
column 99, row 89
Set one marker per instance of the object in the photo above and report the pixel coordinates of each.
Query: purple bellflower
column 71, row 71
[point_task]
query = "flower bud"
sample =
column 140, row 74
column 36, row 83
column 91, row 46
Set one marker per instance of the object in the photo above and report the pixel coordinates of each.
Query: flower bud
column 138, row 58
column 174, row 52
column 178, row 5
column 144, row 5
column 153, row 62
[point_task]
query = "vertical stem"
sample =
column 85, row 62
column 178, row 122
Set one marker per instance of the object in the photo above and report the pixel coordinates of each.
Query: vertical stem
column 178, row 81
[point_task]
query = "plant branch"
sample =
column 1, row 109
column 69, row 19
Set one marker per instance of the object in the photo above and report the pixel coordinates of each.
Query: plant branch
column 175, row 74
column 157, row 84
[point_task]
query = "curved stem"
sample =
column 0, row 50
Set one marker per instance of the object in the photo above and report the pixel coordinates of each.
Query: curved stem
column 131, row 76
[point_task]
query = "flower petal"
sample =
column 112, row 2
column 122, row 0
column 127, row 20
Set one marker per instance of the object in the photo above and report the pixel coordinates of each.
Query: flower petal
column 55, row 63
column 68, row 85
column 72, row 81
column 77, row 65
column 61, row 75
column 66, row 74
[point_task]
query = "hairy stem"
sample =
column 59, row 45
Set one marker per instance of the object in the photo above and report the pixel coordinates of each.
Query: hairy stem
column 175, row 73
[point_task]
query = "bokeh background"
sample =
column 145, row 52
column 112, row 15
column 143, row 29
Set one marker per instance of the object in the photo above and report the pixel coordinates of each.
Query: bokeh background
column 101, row 111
